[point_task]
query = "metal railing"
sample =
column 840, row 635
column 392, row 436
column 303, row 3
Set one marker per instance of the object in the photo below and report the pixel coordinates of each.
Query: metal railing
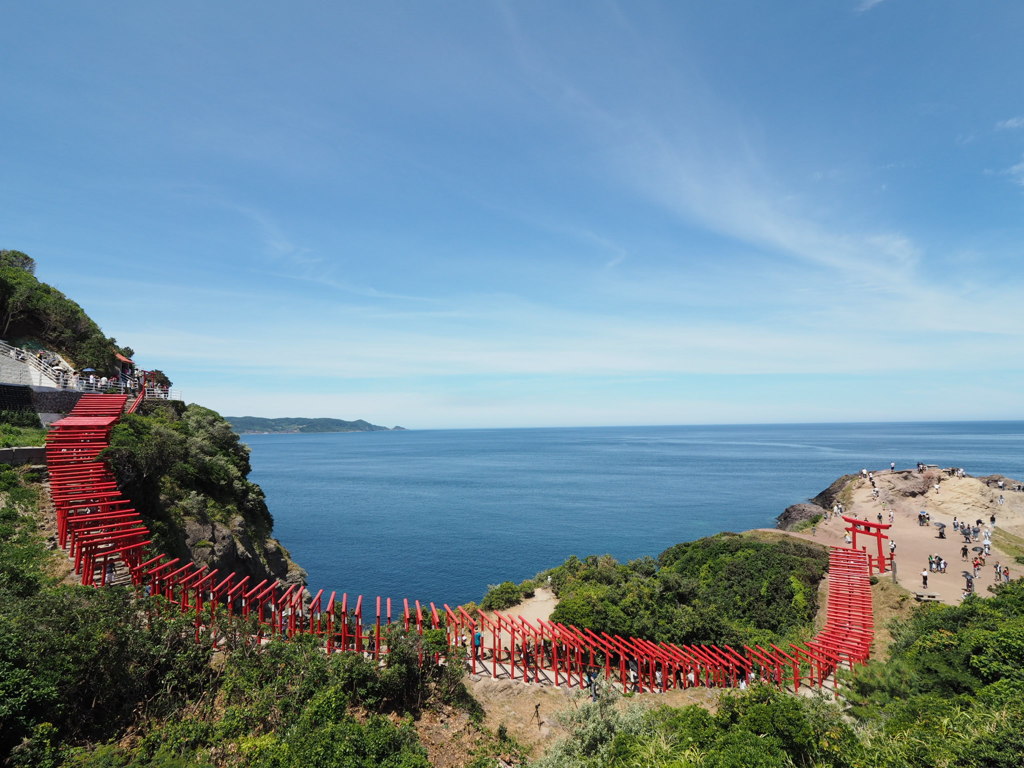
column 35, row 372
column 56, row 372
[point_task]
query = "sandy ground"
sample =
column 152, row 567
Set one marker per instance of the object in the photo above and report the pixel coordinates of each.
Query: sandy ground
column 540, row 606
column 965, row 498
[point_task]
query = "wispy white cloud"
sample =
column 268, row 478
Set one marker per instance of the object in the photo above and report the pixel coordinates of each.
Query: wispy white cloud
column 1010, row 124
column 1016, row 173
column 867, row 5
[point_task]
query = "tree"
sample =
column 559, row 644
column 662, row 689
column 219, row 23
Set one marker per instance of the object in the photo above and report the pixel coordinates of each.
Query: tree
column 17, row 290
column 18, row 260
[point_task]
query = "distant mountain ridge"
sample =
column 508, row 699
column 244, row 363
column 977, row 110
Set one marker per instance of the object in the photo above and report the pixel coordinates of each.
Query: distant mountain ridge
column 257, row 424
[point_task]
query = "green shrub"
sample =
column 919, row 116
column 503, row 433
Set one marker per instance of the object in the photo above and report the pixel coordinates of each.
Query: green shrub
column 724, row 589
column 502, row 596
column 28, row 419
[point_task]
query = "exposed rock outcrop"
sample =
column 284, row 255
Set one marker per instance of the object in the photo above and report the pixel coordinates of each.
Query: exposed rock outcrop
column 828, row 498
column 914, row 484
column 796, row 514
column 231, row 549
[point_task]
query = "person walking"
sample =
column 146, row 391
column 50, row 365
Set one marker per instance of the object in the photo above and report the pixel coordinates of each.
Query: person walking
column 924, row 578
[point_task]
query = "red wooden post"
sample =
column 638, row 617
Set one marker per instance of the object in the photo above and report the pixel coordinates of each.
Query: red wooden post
column 359, row 624
column 376, row 633
column 344, row 621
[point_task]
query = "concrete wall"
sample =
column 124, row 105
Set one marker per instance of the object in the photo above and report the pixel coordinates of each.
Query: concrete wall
column 15, row 456
column 55, row 400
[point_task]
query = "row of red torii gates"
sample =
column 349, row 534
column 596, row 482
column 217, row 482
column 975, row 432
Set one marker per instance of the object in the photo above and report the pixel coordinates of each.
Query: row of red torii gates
column 102, row 532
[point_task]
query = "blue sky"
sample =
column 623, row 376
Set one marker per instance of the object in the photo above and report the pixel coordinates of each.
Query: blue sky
column 491, row 214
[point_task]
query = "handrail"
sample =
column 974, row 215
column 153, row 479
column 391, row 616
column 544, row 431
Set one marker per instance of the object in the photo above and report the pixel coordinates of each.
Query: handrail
column 50, row 375
column 45, row 370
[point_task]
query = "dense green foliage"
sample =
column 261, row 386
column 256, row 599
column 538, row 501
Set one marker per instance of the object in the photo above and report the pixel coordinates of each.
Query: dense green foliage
column 28, row 419
column 507, row 594
column 21, row 552
column 83, row 660
column 181, row 462
column 79, row 665
column 724, row 589
column 32, row 310
column 288, row 704
column 953, row 692
column 762, row 728
column 19, row 428
column 17, row 260
column 81, row 668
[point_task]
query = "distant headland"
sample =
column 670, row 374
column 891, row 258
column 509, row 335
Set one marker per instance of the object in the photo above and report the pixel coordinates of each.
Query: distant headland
column 247, row 425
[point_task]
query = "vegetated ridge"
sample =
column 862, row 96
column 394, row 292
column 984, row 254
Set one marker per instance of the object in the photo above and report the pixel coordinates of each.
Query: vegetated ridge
column 245, row 425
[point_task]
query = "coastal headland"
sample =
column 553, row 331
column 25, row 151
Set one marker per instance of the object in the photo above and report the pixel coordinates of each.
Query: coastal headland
column 945, row 495
column 248, row 425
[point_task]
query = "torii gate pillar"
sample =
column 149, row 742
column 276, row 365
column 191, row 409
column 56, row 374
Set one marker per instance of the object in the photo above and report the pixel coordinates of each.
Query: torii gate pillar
column 867, row 528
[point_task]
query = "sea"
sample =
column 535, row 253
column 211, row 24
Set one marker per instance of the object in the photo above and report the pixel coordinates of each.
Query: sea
column 439, row 515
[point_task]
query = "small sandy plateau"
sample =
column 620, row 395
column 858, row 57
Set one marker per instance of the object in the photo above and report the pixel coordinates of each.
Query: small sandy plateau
column 906, row 493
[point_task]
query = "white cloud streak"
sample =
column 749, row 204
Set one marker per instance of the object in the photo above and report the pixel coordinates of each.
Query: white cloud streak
column 867, row 5
column 1010, row 124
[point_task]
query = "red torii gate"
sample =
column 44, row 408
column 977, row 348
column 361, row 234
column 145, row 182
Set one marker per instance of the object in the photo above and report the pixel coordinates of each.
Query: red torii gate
column 874, row 530
column 97, row 525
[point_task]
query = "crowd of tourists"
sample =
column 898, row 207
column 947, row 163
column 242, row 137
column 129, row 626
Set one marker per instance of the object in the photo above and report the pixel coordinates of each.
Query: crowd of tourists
column 125, row 380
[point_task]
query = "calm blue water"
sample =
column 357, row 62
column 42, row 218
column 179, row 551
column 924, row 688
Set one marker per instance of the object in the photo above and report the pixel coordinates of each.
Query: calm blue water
column 440, row 514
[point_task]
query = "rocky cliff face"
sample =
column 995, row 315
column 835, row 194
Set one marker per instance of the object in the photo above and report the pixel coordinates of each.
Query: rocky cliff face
column 834, row 493
column 793, row 516
column 188, row 475
column 230, row 549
